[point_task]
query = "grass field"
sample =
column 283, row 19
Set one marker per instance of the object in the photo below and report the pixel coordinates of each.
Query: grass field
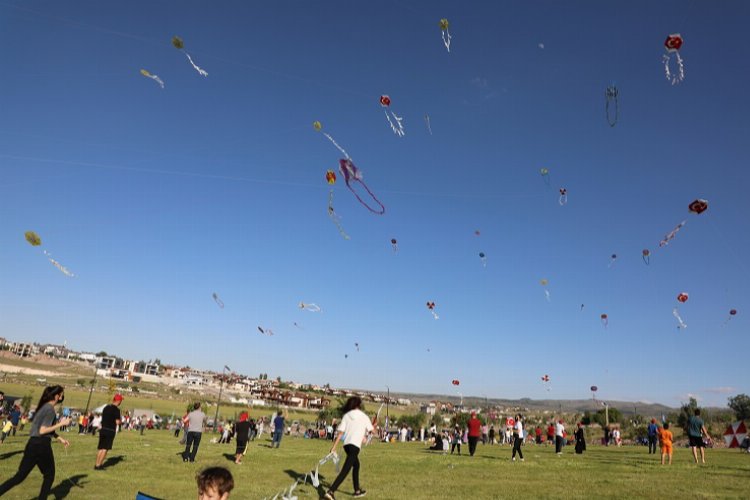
column 389, row 471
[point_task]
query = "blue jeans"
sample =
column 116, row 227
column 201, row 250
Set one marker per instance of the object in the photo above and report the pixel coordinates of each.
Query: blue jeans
column 276, row 438
column 193, row 440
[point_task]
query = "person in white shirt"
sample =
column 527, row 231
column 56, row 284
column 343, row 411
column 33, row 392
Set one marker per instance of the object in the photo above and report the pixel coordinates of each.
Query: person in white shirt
column 517, row 438
column 354, row 428
column 559, row 436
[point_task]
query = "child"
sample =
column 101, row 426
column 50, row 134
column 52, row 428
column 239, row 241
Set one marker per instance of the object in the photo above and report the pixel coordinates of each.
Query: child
column 7, row 426
column 214, row 483
column 665, row 441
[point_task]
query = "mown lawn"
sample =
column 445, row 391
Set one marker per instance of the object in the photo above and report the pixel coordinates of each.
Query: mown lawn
column 389, row 471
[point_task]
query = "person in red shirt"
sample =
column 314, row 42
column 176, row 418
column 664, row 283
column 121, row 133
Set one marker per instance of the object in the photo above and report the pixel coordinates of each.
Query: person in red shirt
column 550, row 434
column 475, row 426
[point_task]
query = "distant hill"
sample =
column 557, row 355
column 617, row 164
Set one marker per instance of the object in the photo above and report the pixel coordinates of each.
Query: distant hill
column 552, row 405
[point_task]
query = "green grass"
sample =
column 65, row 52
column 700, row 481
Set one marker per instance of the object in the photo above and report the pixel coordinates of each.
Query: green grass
column 389, row 471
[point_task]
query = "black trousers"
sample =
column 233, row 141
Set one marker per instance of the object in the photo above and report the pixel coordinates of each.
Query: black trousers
column 517, row 446
column 38, row 453
column 191, row 445
column 652, row 444
column 351, row 463
column 558, row 444
column 454, row 445
column 472, row 445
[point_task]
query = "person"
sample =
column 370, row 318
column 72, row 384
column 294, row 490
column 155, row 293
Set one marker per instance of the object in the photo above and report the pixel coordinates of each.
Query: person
column 580, row 439
column 653, row 431
column 438, row 446
column 606, row 435
column 278, row 430
column 665, row 441
column 517, row 439
column 456, row 440
column 559, row 437
column 242, row 431
column 15, row 417
column 617, row 437
column 355, row 425
column 745, row 444
column 110, row 422
column 194, row 424
column 550, row 433
column 7, row 426
column 474, row 430
column 696, row 431
column 485, row 431
column 177, row 427
column 38, row 451
column 214, row 483
column 492, row 434
column 538, row 434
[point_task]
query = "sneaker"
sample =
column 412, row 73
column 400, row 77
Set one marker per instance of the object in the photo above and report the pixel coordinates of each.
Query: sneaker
column 329, row 496
column 513, row 459
column 360, row 493
column 522, row 460
column 98, row 467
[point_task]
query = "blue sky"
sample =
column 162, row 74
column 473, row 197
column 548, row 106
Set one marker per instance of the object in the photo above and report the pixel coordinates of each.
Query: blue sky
column 156, row 199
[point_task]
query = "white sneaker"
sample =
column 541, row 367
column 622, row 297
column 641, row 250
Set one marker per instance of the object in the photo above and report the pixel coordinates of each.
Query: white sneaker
column 522, row 460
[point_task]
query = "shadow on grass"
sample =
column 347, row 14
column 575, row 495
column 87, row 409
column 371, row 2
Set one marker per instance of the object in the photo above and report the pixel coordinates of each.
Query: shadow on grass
column 230, row 457
column 62, row 490
column 298, row 476
column 10, row 454
column 112, row 461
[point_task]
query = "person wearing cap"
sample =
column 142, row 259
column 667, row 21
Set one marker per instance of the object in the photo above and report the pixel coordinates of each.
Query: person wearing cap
column 653, row 432
column 110, row 423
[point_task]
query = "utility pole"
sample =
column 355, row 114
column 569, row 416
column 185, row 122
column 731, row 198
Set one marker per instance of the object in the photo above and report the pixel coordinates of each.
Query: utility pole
column 387, row 403
column 91, row 389
column 218, row 401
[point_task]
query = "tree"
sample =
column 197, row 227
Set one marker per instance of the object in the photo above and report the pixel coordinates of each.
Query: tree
column 687, row 410
column 586, row 418
column 102, row 353
column 740, row 404
column 26, row 401
column 601, row 418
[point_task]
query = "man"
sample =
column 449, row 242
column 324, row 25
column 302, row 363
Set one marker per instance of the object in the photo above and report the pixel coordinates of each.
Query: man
column 110, row 423
column 278, row 430
column 194, row 424
column 653, row 432
column 696, row 431
column 559, row 437
column 475, row 426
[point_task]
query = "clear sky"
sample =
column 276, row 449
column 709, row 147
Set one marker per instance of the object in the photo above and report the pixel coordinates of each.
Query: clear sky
column 156, row 199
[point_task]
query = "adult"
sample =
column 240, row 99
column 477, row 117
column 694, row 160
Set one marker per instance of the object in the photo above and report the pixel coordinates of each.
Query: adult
column 475, row 429
column 355, row 426
column 517, row 438
column 492, row 434
column 696, row 431
column 242, row 432
column 538, row 434
column 38, row 451
column 278, row 430
column 580, row 439
column 194, row 424
column 110, row 423
column 653, row 434
column 559, row 437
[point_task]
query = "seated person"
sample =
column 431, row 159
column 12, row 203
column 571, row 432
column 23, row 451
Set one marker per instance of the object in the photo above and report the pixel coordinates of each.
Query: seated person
column 438, row 446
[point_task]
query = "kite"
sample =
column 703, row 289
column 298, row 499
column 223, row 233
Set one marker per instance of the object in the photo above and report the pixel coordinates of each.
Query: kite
column 477, row 233
column 484, row 259
column 456, row 382
column 335, row 218
column 180, row 45
column 646, row 254
column 427, row 122
column 153, row 77
column 698, row 206
column 446, row 34
column 605, row 320
column 735, row 434
column 544, row 283
column 309, row 307
column 612, row 260
column 356, row 346
column 540, row 45
column 34, row 240
column 265, row 331
column 682, row 297
column 295, row 324
column 546, row 381
column 398, row 128
column 732, row 312
column 317, row 125
column 593, row 391
column 544, row 172
column 431, row 307
column 330, row 177
column 563, row 196
column 673, row 44
column 218, row 301
column 611, row 95
column 346, row 356
column 676, row 314
column 352, row 174
column 394, row 243
column 670, row 235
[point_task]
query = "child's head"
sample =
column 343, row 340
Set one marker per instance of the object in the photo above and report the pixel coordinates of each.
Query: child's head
column 214, row 483
column 666, row 425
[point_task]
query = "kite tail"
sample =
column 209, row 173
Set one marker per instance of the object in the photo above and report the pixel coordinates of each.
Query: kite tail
column 382, row 208
column 195, row 66
column 447, row 40
column 335, row 218
column 398, row 130
column 337, row 145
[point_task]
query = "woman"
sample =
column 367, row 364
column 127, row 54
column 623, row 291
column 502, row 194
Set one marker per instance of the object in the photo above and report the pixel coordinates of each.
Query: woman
column 580, row 439
column 242, row 431
column 355, row 426
column 517, row 439
column 38, row 450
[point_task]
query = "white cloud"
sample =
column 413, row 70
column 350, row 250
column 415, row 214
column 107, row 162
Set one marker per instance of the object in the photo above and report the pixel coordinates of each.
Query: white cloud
column 720, row 390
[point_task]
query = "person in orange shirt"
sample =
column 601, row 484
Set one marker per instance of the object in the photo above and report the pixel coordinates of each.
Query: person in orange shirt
column 665, row 442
